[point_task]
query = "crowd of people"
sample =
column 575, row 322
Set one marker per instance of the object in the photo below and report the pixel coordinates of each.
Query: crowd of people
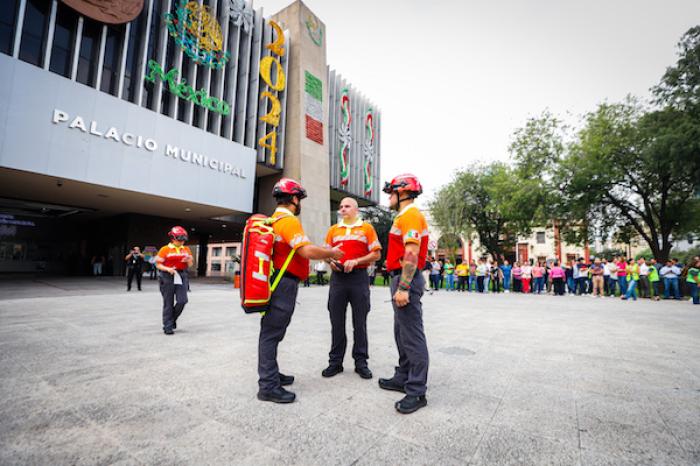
column 601, row 277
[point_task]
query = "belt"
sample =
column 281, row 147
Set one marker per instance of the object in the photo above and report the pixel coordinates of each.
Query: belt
column 395, row 273
column 289, row 275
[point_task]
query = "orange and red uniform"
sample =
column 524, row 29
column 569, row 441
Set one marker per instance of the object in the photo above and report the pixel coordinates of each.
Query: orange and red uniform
column 173, row 256
column 355, row 240
column 289, row 235
column 409, row 226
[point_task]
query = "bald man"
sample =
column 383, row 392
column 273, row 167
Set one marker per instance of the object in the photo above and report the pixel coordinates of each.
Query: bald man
column 349, row 284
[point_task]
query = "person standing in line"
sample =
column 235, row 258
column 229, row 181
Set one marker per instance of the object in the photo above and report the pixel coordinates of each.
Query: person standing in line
column 407, row 250
column 654, row 278
column 569, row 273
column 611, row 268
column 385, row 275
column 487, row 274
column 426, row 275
column 517, row 278
column 606, row 277
column 506, row 269
column 462, row 271
column 371, row 273
column 449, row 275
column 442, row 273
column 435, row 274
column 134, row 267
column 597, row 271
column 97, row 263
column 621, row 274
column 473, row 285
column 644, row 287
column 291, row 245
column 632, row 279
column 526, row 277
column 496, row 277
column 581, row 276
column 670, row 273
column 349, row 285
column 693, row 279
column 538, row 278
column 557, row 275
column 480, row 273
column 173, row 260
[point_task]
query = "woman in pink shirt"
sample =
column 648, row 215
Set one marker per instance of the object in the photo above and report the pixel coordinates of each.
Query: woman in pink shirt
column 517, row 275
column 621, row 274
column 557, row 275
column 538, row 278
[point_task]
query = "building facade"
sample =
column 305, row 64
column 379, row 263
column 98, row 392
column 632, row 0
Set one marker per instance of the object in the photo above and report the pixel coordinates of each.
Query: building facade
column 119, row 121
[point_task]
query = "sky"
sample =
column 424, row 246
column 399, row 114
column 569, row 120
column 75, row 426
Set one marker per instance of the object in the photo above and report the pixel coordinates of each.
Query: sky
column 454, row 79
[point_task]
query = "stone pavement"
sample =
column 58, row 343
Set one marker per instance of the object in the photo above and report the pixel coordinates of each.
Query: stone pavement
column 89, row 378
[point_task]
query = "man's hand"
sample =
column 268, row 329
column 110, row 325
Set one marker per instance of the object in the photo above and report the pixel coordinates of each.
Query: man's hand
column 401, row 298
column 171, row 270
column 336, row 253
column 349, row 265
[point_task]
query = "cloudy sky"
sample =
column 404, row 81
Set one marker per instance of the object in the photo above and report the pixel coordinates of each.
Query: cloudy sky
column 454, row 79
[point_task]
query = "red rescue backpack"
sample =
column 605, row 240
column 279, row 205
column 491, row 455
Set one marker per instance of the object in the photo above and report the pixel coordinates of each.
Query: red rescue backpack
column 256, row 264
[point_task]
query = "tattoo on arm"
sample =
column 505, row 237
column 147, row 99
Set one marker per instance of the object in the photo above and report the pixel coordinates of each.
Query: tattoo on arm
column 410, row 264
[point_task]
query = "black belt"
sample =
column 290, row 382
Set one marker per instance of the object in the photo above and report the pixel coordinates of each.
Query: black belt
column 395, row 273
column 289, row 275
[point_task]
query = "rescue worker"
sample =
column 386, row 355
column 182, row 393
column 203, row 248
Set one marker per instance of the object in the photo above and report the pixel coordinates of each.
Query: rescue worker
column 407, row 250
column 289, row 238
column 349, row 284
column 173, row 260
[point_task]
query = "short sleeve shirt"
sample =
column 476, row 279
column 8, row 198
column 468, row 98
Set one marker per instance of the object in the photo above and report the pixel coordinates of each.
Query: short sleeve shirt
column 174, row 256
column 462, row 270
column 289, row 235
column 409, row 226
column 355, row 240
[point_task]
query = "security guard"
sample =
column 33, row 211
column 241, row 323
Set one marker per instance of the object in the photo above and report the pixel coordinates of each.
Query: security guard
column 408, row 247
column 349, row 284
column 173, row 260
column 289, row 237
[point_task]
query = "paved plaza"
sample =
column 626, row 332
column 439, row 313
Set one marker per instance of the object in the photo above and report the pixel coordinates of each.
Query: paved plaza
column 89, row 378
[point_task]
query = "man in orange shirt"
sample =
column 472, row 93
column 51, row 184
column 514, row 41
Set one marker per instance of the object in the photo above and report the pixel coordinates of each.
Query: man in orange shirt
column 290, row 239
column 349, row 284
column 173, row 260
column 408, row 248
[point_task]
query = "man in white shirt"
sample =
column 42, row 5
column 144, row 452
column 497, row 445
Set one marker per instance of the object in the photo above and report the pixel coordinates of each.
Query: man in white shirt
column 320, row 268
column 644, row 286
column 611, row 277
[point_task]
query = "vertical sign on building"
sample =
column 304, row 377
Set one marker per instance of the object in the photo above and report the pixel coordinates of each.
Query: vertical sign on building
column 368, row 152
column 313, row 107
column 345, row 136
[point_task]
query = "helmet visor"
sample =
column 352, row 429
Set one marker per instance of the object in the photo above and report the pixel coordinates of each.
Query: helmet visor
column 180, row 237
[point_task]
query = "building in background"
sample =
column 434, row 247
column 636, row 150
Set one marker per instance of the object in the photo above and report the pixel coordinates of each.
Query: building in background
column 119, row 121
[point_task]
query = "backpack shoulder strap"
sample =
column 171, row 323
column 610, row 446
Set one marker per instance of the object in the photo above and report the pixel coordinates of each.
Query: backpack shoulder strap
column 273, row 287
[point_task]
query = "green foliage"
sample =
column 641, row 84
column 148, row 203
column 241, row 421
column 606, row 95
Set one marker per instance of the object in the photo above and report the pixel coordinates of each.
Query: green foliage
column 452, row 243
column 381, row 219
column 680, row 85
column 489, row 200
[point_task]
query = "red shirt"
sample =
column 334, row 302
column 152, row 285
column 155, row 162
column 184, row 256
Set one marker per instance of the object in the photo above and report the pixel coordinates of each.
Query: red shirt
column 356, row 240
column 173, row 256
column 409, row 227
column 289, row 235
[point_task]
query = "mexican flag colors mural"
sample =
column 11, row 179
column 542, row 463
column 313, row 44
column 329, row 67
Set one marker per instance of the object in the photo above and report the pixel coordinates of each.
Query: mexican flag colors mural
column 313, row 107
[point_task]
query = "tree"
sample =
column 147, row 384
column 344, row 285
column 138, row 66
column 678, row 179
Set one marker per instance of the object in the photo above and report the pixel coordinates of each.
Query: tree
column 381, row 219
column 636, row 169
column 680, row 85
column 451, row 243
column 488, row 200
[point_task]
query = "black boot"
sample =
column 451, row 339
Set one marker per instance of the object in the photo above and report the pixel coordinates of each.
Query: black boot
column 332, row 370
column 391, row 384
column 410, row 404
column 277, row 395
column 364, row 372
column 286, row 379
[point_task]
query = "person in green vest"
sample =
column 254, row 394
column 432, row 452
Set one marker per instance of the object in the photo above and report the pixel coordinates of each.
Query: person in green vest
column 633, row 279
column 450, row 275
column 654, row 278
column 693, row 280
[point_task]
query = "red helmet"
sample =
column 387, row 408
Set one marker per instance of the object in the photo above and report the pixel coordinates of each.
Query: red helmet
column 288, row 187
column 178, row 233
column 406, row 183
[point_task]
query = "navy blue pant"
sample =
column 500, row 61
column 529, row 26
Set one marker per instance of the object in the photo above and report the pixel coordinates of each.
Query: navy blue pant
column 349, row 288
column 273, row 327
column 409, row 335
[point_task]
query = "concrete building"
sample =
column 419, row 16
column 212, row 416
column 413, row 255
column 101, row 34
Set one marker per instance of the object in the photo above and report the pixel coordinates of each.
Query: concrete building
column 118, row 122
